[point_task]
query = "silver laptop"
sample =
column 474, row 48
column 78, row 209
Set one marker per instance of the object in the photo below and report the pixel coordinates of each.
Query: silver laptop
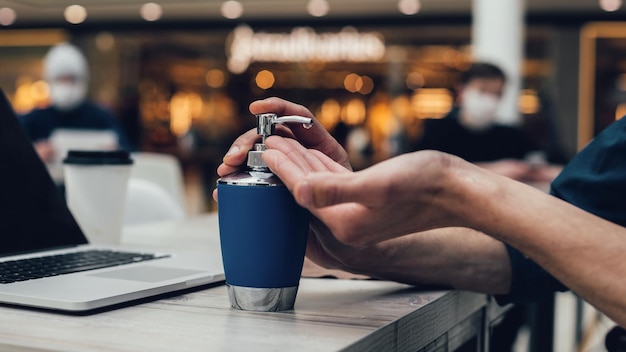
column 45, row 259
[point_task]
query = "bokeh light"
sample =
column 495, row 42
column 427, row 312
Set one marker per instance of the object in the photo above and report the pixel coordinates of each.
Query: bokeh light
column 351, row 81
column 151, row 11
column 432, row 102
column 409, row 7
column 105, row 41
column 75, row 14
column 529, row 102
column 367, row 85
column 318, row 8
column 265, row 79
column 232, row 9
column 415, row 80
column 610, row 5
column 7, row 16
column 215, row 78
column 354, row 112
column 329, row 113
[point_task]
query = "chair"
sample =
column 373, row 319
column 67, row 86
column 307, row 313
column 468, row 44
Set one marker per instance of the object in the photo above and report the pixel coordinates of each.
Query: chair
column 148, row 202
column 161, row 169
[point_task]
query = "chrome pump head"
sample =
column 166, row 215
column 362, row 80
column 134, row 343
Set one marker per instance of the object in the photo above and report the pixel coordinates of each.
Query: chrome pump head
column 266, row 124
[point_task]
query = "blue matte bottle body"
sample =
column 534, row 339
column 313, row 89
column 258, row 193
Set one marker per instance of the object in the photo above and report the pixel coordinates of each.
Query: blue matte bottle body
column 263, row 234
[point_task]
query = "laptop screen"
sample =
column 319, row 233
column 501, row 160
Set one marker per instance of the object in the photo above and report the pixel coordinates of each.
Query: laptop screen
column 33, row 215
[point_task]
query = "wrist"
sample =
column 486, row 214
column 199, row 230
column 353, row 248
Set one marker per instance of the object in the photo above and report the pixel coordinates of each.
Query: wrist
column 470, row 192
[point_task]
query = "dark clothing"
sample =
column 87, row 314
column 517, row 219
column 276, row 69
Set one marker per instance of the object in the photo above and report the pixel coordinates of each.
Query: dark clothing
column 495, row 143
column 594, row 180
column 40, row 123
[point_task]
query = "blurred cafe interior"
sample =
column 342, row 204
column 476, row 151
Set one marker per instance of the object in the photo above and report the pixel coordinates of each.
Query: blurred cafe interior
column 180, row 75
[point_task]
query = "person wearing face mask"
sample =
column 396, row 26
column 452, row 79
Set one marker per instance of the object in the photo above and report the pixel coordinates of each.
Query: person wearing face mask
column 67, row 75
column 471, row 132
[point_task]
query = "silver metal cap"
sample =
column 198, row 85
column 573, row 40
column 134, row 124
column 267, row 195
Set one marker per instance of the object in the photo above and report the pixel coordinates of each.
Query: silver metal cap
column 255, row 161
column 251, row 178
column 262, row 299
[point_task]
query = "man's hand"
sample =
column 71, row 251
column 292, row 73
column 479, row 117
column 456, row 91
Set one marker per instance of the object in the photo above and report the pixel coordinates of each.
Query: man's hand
column 410, row 193
column 315, row 138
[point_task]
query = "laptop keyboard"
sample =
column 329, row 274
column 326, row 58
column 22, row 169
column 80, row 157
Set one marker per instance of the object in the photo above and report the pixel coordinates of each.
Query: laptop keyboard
column 53, row 265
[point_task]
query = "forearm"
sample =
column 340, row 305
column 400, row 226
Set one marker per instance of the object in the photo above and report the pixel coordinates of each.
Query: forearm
column 581, row 250
column 456, row 257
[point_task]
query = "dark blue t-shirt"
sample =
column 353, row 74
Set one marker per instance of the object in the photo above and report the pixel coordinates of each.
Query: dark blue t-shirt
column 40, row 123
column 594, row 180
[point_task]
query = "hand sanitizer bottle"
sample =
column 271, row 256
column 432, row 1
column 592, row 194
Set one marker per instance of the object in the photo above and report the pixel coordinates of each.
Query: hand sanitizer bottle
column 263, row 231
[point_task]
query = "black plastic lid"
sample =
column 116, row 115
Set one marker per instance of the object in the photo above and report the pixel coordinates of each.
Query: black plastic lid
column 98, row 157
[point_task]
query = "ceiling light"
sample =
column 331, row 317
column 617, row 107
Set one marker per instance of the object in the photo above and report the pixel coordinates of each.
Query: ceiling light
column 610, row 5
column 232, row 9
column 7, row 16
column 75, row 14
column 409, row 7
column 151, row 11
column 318, row 8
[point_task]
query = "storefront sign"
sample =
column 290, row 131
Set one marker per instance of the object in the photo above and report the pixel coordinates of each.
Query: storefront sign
column 301, row 45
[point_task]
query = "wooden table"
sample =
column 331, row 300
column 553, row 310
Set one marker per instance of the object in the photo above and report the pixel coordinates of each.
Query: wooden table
column 329, row 315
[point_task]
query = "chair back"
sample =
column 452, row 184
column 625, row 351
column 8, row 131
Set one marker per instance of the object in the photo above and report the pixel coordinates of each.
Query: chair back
column 148, row 202
column 161, row 169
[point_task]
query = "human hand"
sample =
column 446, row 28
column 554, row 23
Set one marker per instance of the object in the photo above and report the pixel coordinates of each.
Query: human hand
column 315, row 138
column 45, row 150
column 406, row 194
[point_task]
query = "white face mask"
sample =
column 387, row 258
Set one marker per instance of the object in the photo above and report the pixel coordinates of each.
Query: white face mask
column 67, row 96
column 478, row 110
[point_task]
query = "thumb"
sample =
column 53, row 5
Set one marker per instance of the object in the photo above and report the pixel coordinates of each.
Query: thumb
column 324, row 189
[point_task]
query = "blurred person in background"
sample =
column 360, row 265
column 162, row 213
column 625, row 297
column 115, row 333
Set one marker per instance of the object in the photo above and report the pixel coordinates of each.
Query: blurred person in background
column 470, row 130
column 67, row 73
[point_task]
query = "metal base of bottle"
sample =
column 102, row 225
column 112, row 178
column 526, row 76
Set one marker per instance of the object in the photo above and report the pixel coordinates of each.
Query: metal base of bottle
column 262, row 299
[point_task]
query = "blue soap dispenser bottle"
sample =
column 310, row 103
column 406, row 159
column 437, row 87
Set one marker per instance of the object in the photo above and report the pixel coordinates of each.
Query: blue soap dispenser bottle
column 263, row 231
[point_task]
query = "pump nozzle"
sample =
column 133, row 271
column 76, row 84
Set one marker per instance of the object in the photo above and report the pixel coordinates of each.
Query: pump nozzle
column 265, row 127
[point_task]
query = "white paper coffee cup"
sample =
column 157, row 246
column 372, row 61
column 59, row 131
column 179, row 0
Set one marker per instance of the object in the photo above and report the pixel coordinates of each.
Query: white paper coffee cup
column 96, row 183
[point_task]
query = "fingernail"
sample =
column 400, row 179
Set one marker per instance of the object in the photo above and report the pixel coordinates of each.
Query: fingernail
column 233, row 150
column 305, row 193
